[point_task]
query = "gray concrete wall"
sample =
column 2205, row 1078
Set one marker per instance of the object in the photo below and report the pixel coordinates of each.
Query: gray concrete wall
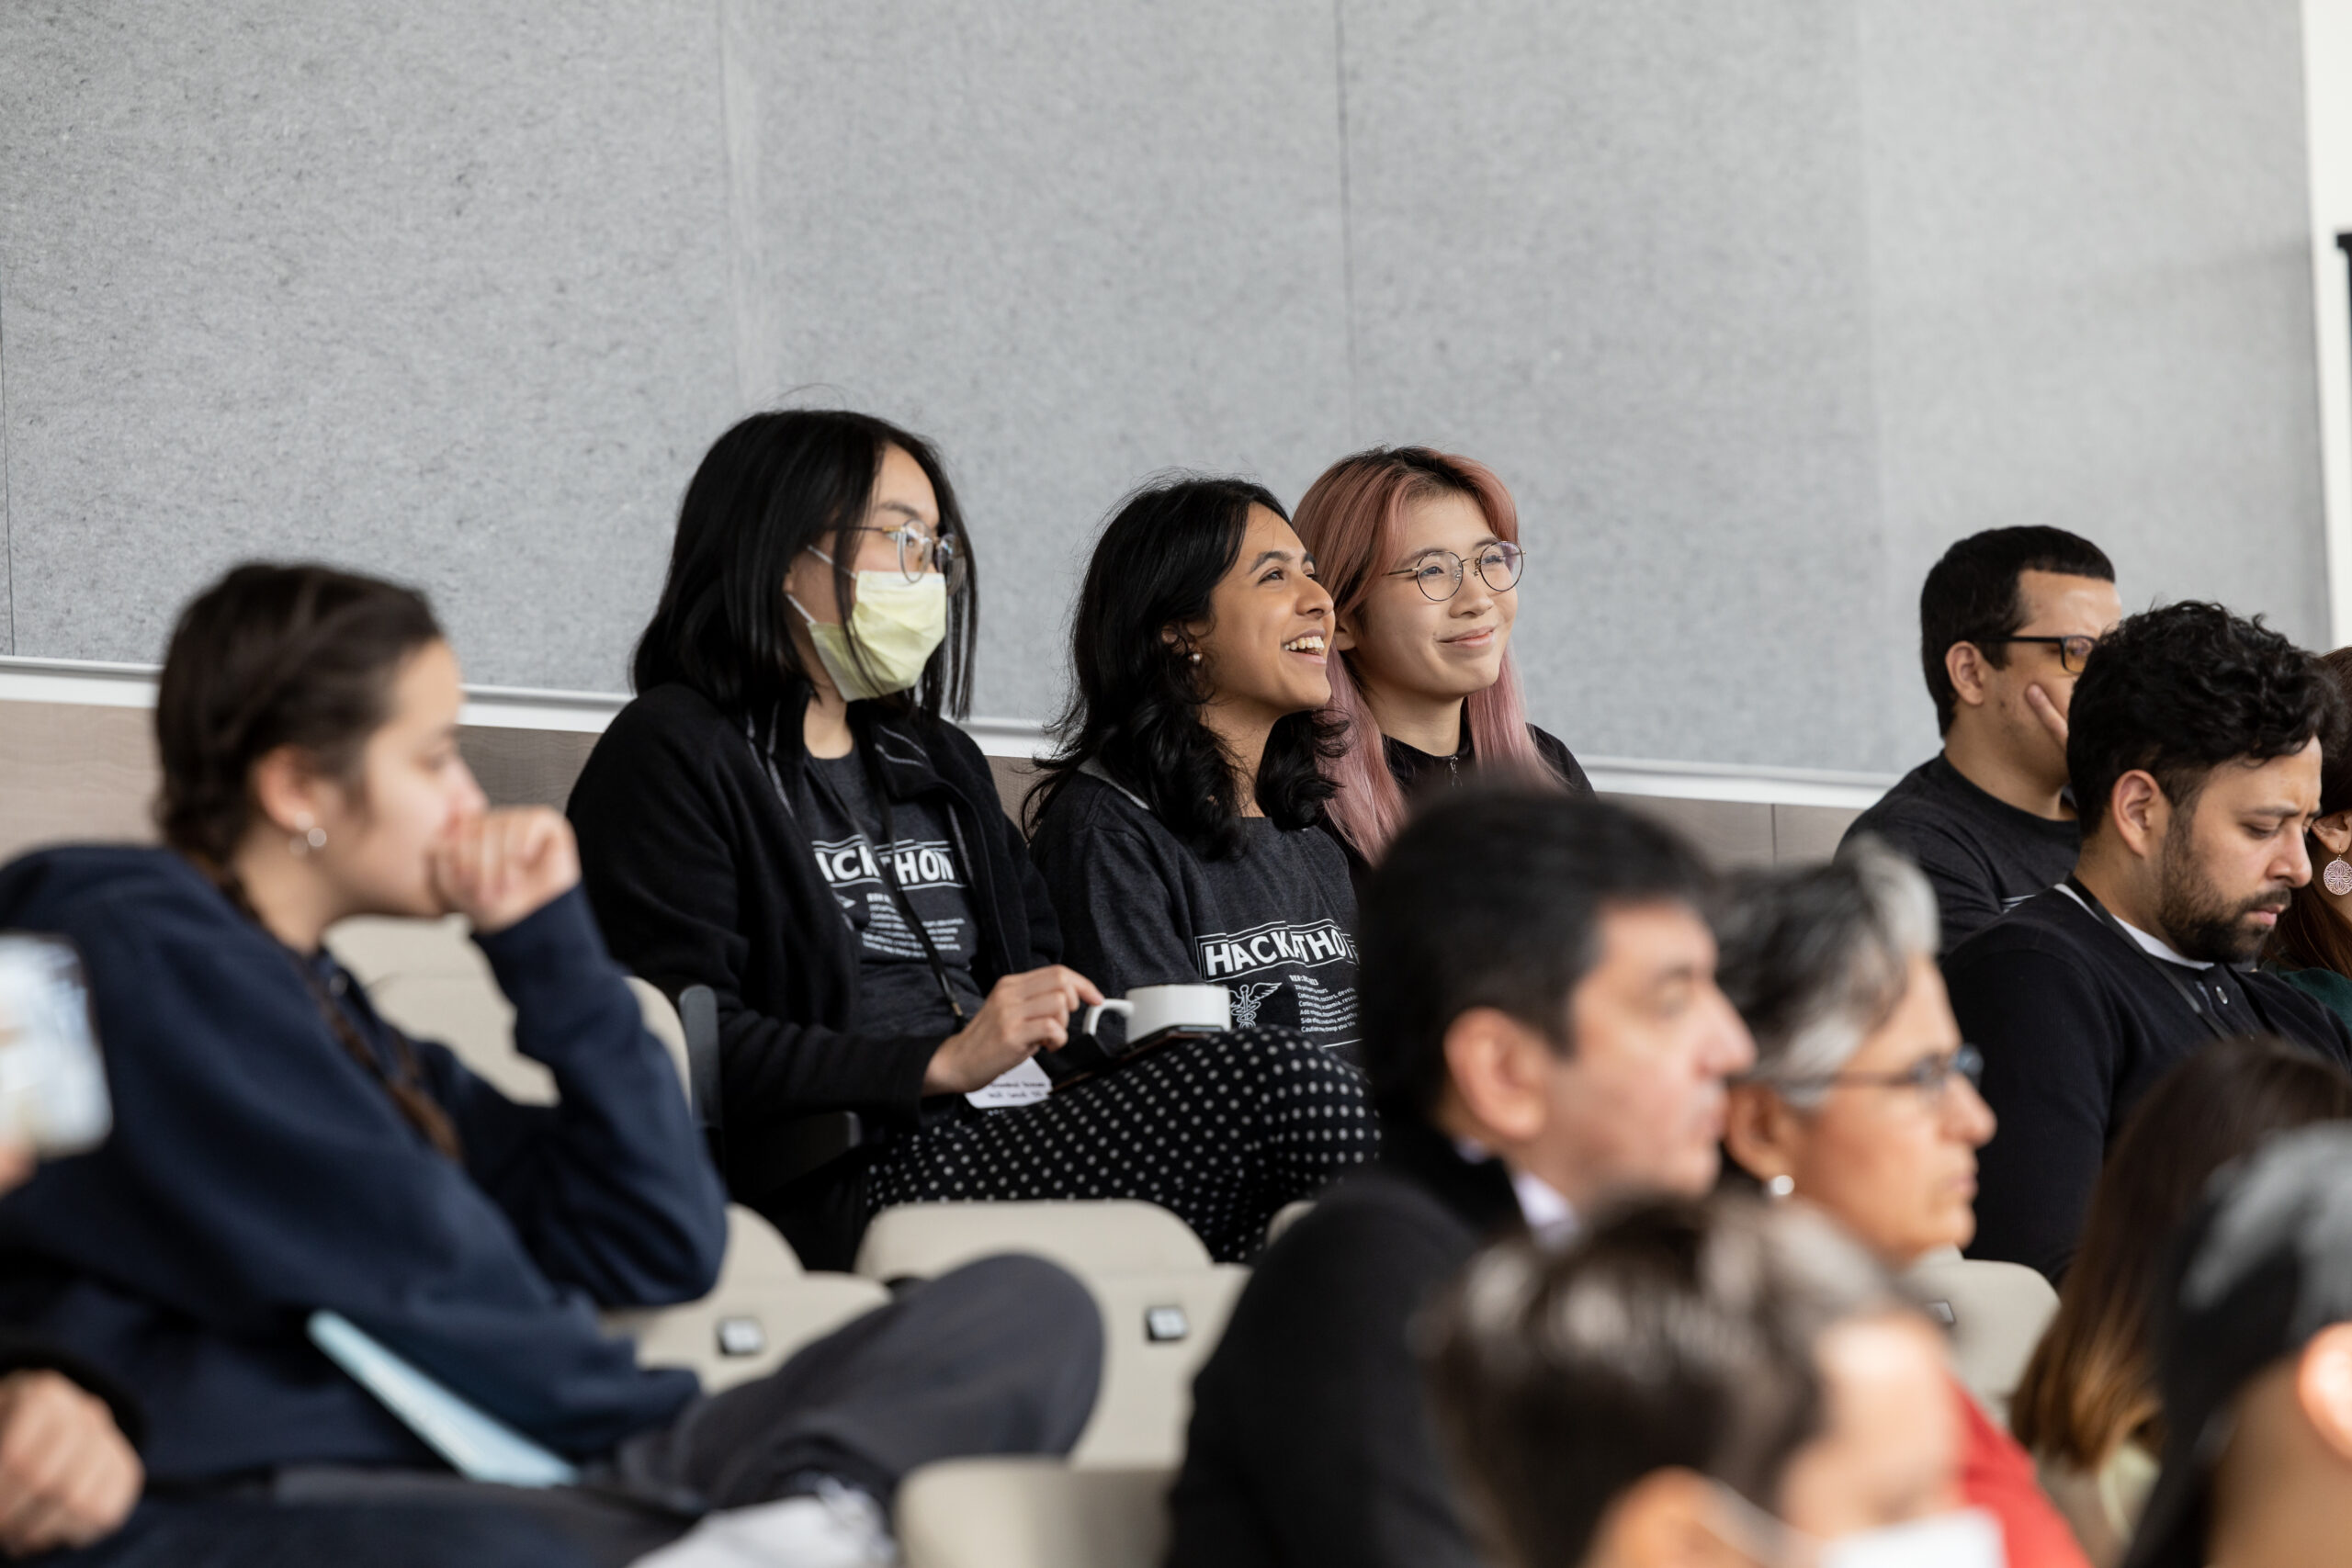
column 1755, row 307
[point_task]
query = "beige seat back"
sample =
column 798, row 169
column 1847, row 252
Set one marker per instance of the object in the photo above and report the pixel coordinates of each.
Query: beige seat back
column 1156, row 1330
column 916, row 1241
column 1033, row 1513
column 1996, row 1313
column 429, row 978
column 763, row 1309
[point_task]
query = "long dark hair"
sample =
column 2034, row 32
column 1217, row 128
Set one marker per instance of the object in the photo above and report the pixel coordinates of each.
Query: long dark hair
column 273, row 656
column 2090, row 1385
column 1135, row 706
column 2310, row 934
column 774, row 486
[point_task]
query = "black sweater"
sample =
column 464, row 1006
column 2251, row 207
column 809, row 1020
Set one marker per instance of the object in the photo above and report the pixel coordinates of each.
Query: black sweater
column 2077, row 1024
column 1310, row 1446
column 256, row 1172
column 701, row 875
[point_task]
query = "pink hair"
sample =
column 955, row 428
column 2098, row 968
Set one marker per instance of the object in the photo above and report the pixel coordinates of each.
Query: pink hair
column 1352, row 522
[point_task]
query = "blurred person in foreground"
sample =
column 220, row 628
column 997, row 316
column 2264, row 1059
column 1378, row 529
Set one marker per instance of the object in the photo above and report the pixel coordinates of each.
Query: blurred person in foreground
column 69, row 1466
column 1863, row 1102
column 2087, row 1406
column 280, row 1150
column 2194, row 743
column 2254, row 1368
column 1714, row 1385
column 1544, row 1035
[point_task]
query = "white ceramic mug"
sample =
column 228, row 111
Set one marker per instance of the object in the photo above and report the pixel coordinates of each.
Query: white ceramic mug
column 1155, row 1009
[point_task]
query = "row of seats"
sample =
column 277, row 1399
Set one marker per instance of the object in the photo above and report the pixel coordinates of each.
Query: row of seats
column 1163, row 1301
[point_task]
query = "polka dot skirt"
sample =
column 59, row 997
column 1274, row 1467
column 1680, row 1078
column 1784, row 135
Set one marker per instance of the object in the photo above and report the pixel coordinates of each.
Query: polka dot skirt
column 1223, row 1131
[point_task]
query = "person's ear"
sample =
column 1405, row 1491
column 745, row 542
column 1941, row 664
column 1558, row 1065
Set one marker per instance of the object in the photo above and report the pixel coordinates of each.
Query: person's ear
column 2140, row 812
column 1762, row 1132
column 1970, row 672
column 2334, row 832
column 1666, row 1519
column 292, row 795
column 2324, row 1387
column 1499, row 1067
column 1343, row 634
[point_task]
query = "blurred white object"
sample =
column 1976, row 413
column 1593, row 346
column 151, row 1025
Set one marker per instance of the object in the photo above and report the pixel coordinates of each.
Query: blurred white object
column 53, row 1085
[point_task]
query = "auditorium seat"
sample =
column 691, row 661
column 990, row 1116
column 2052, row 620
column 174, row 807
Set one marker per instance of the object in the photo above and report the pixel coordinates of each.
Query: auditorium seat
column 915, row 1241
column 1996, row 1313
column 1033, row 1513
column 427, row 977
column 1163, row 1301
column 764, row 1308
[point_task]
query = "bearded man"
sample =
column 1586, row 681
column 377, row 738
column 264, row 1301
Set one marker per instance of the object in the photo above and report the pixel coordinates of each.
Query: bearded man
column 2194, row 752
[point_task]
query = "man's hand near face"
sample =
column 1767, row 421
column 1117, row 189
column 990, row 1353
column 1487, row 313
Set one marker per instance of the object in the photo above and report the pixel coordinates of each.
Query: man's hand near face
column 67, row 1474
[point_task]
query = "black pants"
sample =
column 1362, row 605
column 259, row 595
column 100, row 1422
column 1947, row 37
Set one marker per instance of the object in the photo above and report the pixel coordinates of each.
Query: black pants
column 1001, row 1357
column 1223, row 1131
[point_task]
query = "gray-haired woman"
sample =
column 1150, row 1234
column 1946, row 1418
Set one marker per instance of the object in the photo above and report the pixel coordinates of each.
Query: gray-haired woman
column 1863, row 1101
column 1862, row 1097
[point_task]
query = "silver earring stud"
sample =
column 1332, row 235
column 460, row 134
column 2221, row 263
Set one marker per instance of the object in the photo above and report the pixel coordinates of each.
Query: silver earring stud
column 1780, row 1187
column 2337, row 878
column 308, row 836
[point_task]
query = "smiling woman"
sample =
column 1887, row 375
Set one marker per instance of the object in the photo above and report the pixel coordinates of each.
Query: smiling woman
column 1420, row 552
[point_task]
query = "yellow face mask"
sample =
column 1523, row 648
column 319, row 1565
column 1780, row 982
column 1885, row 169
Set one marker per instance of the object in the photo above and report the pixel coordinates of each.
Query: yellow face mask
column 894, row 629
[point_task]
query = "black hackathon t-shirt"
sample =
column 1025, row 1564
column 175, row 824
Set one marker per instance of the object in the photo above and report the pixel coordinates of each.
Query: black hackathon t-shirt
column 1139, row 907
column 897, row 991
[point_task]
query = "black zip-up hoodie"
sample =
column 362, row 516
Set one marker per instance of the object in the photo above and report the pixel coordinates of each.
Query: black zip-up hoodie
column 701, row 875
column 256, row 1173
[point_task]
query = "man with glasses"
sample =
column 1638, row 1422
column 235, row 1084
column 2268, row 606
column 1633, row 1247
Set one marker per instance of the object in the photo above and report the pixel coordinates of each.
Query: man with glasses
column 2006, row 620
column 2195, row 749
column 1543, row 1036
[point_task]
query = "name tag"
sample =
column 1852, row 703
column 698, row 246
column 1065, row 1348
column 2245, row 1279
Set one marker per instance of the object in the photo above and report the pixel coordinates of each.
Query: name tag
column 1024, row 1085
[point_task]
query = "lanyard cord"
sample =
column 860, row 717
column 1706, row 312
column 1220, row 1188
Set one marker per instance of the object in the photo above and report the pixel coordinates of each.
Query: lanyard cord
column 890, row 877
column 2188, row 992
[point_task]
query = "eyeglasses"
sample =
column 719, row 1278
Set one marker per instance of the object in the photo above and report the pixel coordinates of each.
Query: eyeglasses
column 2072, row 652
column 920, row 552
column 1927, row 1078
column 1438, row 574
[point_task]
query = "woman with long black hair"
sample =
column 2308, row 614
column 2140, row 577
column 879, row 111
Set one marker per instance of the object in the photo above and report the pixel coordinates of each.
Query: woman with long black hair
column 785, row 814
column 1176, row 828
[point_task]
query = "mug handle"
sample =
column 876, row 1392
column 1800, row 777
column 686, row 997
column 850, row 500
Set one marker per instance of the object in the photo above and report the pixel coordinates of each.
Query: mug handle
column 1123, row 1008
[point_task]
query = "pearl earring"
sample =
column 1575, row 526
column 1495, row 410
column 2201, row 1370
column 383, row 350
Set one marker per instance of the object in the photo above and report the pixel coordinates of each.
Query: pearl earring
column 1780, row 1187
column 1196, row 656
column 2337, row 878
column 308, row 836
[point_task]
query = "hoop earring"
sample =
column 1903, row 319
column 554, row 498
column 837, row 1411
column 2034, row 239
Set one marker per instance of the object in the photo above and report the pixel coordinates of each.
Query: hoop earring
column 308, row 836
column 2337, row 878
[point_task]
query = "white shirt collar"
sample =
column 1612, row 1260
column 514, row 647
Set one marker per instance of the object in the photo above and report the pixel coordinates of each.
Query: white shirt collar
column 2156, row 947
column 1551, row 1218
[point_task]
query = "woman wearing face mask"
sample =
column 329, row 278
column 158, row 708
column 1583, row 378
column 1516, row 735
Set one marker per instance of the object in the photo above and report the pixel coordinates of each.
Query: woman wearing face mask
column 785, row 815
column 1863, row 1103
column 1178, row 828
column 1420, row 553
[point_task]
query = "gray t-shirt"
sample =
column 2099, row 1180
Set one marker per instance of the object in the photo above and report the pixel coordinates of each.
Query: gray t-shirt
column 898, row 993
column 1138, row 908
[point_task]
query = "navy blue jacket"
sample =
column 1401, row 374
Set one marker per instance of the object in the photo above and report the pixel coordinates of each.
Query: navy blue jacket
column 258, row 1172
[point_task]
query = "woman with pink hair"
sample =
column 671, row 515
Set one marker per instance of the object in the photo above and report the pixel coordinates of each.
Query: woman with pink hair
column 1420, row 550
